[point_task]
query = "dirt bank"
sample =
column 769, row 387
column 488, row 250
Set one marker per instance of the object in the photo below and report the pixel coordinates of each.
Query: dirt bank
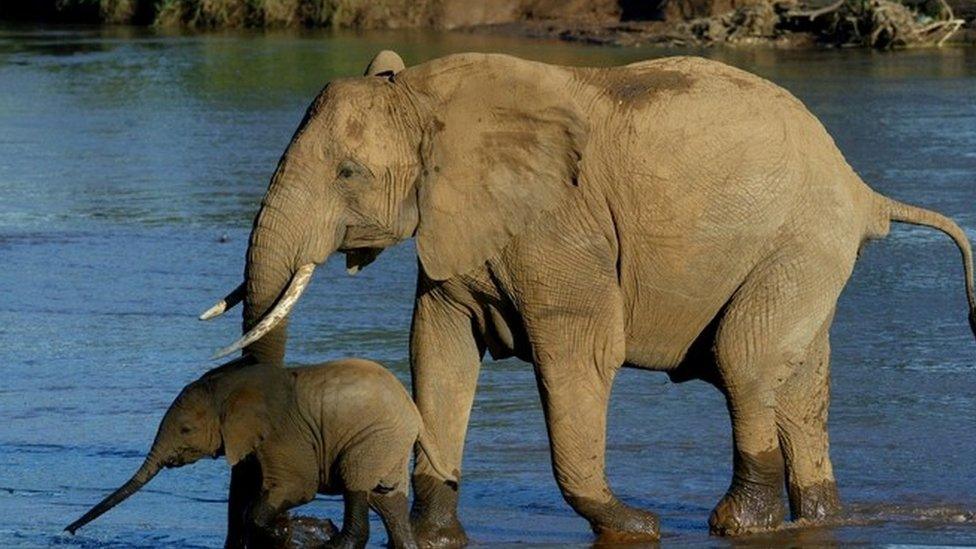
column 880, row 24
column 783, row 23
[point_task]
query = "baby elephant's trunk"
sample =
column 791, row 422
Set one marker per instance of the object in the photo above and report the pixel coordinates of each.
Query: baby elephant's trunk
column 145, row 473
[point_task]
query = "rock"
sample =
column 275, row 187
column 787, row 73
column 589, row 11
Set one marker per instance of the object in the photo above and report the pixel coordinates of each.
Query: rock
column 311, row 531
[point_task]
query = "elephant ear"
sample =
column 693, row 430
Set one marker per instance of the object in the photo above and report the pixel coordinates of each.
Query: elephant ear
column 244, row 424
column 386, row 63
column 491, row 171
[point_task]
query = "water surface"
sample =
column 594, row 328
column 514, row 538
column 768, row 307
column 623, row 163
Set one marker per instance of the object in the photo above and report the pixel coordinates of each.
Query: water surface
column 131, row 164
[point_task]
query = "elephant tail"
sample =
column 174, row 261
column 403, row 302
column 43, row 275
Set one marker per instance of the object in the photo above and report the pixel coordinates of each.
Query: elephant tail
column 905, row 213
column 424, row 440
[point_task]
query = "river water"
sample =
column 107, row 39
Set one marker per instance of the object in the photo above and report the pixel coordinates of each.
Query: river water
column 131, row 164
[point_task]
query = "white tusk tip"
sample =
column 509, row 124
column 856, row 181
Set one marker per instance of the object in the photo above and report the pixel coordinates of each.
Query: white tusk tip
column 214, row 311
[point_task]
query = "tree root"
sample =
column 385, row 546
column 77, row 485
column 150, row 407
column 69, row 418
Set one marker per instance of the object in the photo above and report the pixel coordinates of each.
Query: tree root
column 880, row 24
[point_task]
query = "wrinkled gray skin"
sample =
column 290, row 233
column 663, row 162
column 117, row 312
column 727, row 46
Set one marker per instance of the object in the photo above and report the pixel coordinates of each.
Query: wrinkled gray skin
column 344, row 427
column 676, row 215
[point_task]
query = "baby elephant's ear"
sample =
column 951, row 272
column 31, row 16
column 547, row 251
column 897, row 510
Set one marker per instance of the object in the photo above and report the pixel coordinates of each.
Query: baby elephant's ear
column 244, row 424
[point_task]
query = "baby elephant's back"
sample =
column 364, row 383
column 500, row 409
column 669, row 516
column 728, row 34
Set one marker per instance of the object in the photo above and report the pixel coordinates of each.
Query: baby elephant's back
column 355, row 396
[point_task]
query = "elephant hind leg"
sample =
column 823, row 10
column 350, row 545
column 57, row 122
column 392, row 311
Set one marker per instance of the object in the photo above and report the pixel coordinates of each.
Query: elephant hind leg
column 753, row 501
column 801, row 417
column 764, row 334
column 355, row 522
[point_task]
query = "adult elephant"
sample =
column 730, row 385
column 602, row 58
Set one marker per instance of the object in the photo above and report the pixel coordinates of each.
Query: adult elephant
column 676, row 215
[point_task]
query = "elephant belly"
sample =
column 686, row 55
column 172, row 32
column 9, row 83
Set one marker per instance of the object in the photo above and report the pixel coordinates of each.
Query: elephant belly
column 676, row 278
column 664, row 329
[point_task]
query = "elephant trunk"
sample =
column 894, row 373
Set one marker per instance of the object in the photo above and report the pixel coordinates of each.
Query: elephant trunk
column 275, row 273
column 145, row 473
column 286, row 242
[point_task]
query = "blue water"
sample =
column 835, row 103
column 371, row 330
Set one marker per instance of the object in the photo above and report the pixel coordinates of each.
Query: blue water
column 131, row 164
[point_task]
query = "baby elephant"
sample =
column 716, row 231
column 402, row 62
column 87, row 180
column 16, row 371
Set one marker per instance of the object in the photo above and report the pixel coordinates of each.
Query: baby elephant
column 341, row 427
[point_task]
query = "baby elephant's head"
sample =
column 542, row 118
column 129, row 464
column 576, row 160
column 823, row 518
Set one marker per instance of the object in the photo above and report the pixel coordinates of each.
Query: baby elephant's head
column 190, row 430
column 207, row 419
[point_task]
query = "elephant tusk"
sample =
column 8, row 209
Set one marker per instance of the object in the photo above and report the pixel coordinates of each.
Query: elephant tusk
column 233, row 298
column 299, row 281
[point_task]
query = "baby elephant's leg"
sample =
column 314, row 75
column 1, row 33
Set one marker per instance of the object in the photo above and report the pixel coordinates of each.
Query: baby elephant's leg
column 355, row 522
column 245, row 485
column 267, row 524
column 395, row 512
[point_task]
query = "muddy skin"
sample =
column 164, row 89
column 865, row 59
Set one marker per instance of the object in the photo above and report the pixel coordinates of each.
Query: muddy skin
column 754, row 500
column 434, row 514
column 814, row 503
column 614, row 522
column 636, row 89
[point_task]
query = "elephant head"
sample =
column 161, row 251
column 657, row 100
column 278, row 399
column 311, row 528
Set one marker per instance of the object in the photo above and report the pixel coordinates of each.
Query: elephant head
column 205, row 420
column 463, row 153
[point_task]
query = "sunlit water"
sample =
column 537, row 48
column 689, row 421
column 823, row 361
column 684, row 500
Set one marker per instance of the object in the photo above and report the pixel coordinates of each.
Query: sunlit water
column 127, row 157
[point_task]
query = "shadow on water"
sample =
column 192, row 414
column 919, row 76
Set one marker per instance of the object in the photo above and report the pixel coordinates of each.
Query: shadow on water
column 131, row 164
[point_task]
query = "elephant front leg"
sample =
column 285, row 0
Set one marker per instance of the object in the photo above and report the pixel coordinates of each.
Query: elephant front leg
column 445, row 360
column 578, row 350
column 245, row 485
column 575, row 324
column 575, row 397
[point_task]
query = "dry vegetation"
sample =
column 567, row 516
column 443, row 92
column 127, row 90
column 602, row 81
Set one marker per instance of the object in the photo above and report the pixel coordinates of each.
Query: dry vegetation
column 881, row 24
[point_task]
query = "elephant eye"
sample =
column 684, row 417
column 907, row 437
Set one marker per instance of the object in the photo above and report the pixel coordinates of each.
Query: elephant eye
column 349, row 170
column 185, row 429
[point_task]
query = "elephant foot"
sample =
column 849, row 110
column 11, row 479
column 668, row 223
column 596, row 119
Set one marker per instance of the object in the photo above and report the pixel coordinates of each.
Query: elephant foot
column 815, row 503
column 440, row 536
column 740, row 513
column 754, row 501
column 615, row 522
column 434, row 515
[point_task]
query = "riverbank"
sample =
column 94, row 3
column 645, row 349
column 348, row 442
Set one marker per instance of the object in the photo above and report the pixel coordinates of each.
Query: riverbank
column 881, row 24
column 878, row 24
